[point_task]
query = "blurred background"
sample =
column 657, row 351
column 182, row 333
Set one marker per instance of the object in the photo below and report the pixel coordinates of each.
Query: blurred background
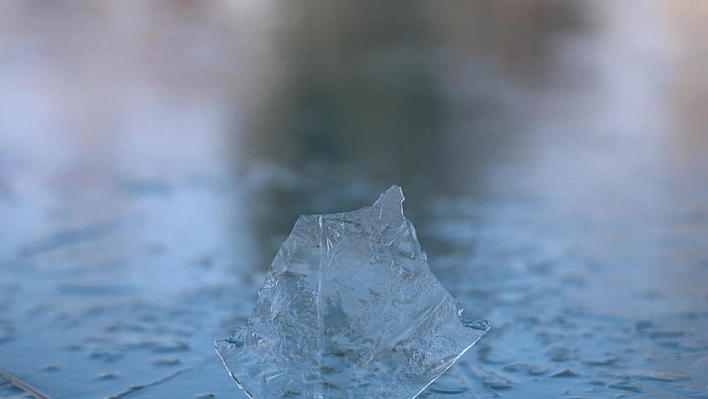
column 154, row 155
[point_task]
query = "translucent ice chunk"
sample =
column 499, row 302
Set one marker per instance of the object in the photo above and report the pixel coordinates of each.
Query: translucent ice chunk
column 349, row 309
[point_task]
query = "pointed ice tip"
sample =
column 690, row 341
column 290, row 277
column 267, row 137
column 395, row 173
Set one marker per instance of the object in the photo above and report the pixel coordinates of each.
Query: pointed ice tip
column 389, row 206
column 391, row 196
column 390, row 203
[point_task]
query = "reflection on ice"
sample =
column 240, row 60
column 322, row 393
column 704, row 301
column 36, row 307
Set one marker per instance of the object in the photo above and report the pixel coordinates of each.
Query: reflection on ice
column 350, row 309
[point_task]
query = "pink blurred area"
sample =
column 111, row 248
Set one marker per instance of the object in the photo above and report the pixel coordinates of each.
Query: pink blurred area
column 221, row 80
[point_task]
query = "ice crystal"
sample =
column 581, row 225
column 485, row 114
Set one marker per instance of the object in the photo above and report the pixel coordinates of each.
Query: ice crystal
column 349, row 309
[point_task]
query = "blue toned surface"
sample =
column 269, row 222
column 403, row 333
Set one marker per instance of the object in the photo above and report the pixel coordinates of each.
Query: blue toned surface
column 154, row 156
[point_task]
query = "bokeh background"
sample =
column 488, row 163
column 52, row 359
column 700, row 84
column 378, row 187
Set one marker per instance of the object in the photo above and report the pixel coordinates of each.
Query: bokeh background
column 154, row 155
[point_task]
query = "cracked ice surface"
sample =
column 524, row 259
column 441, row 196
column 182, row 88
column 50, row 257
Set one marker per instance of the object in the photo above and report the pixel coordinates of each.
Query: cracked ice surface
column 349, row 309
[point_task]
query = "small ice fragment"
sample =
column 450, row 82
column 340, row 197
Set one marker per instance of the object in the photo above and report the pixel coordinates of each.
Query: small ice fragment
column 349, row 309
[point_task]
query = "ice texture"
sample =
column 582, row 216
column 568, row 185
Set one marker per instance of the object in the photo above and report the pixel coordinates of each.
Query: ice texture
column 349, row 309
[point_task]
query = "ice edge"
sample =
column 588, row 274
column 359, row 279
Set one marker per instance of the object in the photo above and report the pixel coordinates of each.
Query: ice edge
column 452, row 363
column 228, row 369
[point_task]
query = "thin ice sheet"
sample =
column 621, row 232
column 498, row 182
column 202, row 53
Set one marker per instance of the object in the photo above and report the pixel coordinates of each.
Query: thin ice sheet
column 349, row 309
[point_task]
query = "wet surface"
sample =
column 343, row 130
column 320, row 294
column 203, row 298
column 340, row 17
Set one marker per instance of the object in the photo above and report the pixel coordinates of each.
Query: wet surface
column 554, row 157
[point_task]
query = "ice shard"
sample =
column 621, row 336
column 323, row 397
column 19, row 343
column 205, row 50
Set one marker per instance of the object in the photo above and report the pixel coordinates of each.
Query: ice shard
column 349, row 309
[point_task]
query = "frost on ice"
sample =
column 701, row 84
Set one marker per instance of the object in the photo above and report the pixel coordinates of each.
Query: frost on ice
column 349, row 309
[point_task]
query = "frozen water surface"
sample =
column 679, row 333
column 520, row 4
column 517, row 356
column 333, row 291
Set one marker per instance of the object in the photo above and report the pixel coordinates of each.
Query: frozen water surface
column 349, row 309
column 154, row 155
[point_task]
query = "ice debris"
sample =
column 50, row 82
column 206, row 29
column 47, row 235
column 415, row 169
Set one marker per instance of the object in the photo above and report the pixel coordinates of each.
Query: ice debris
column 349, row 309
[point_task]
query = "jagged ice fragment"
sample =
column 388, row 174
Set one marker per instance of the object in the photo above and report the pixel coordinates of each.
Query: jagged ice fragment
column 349, row 309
